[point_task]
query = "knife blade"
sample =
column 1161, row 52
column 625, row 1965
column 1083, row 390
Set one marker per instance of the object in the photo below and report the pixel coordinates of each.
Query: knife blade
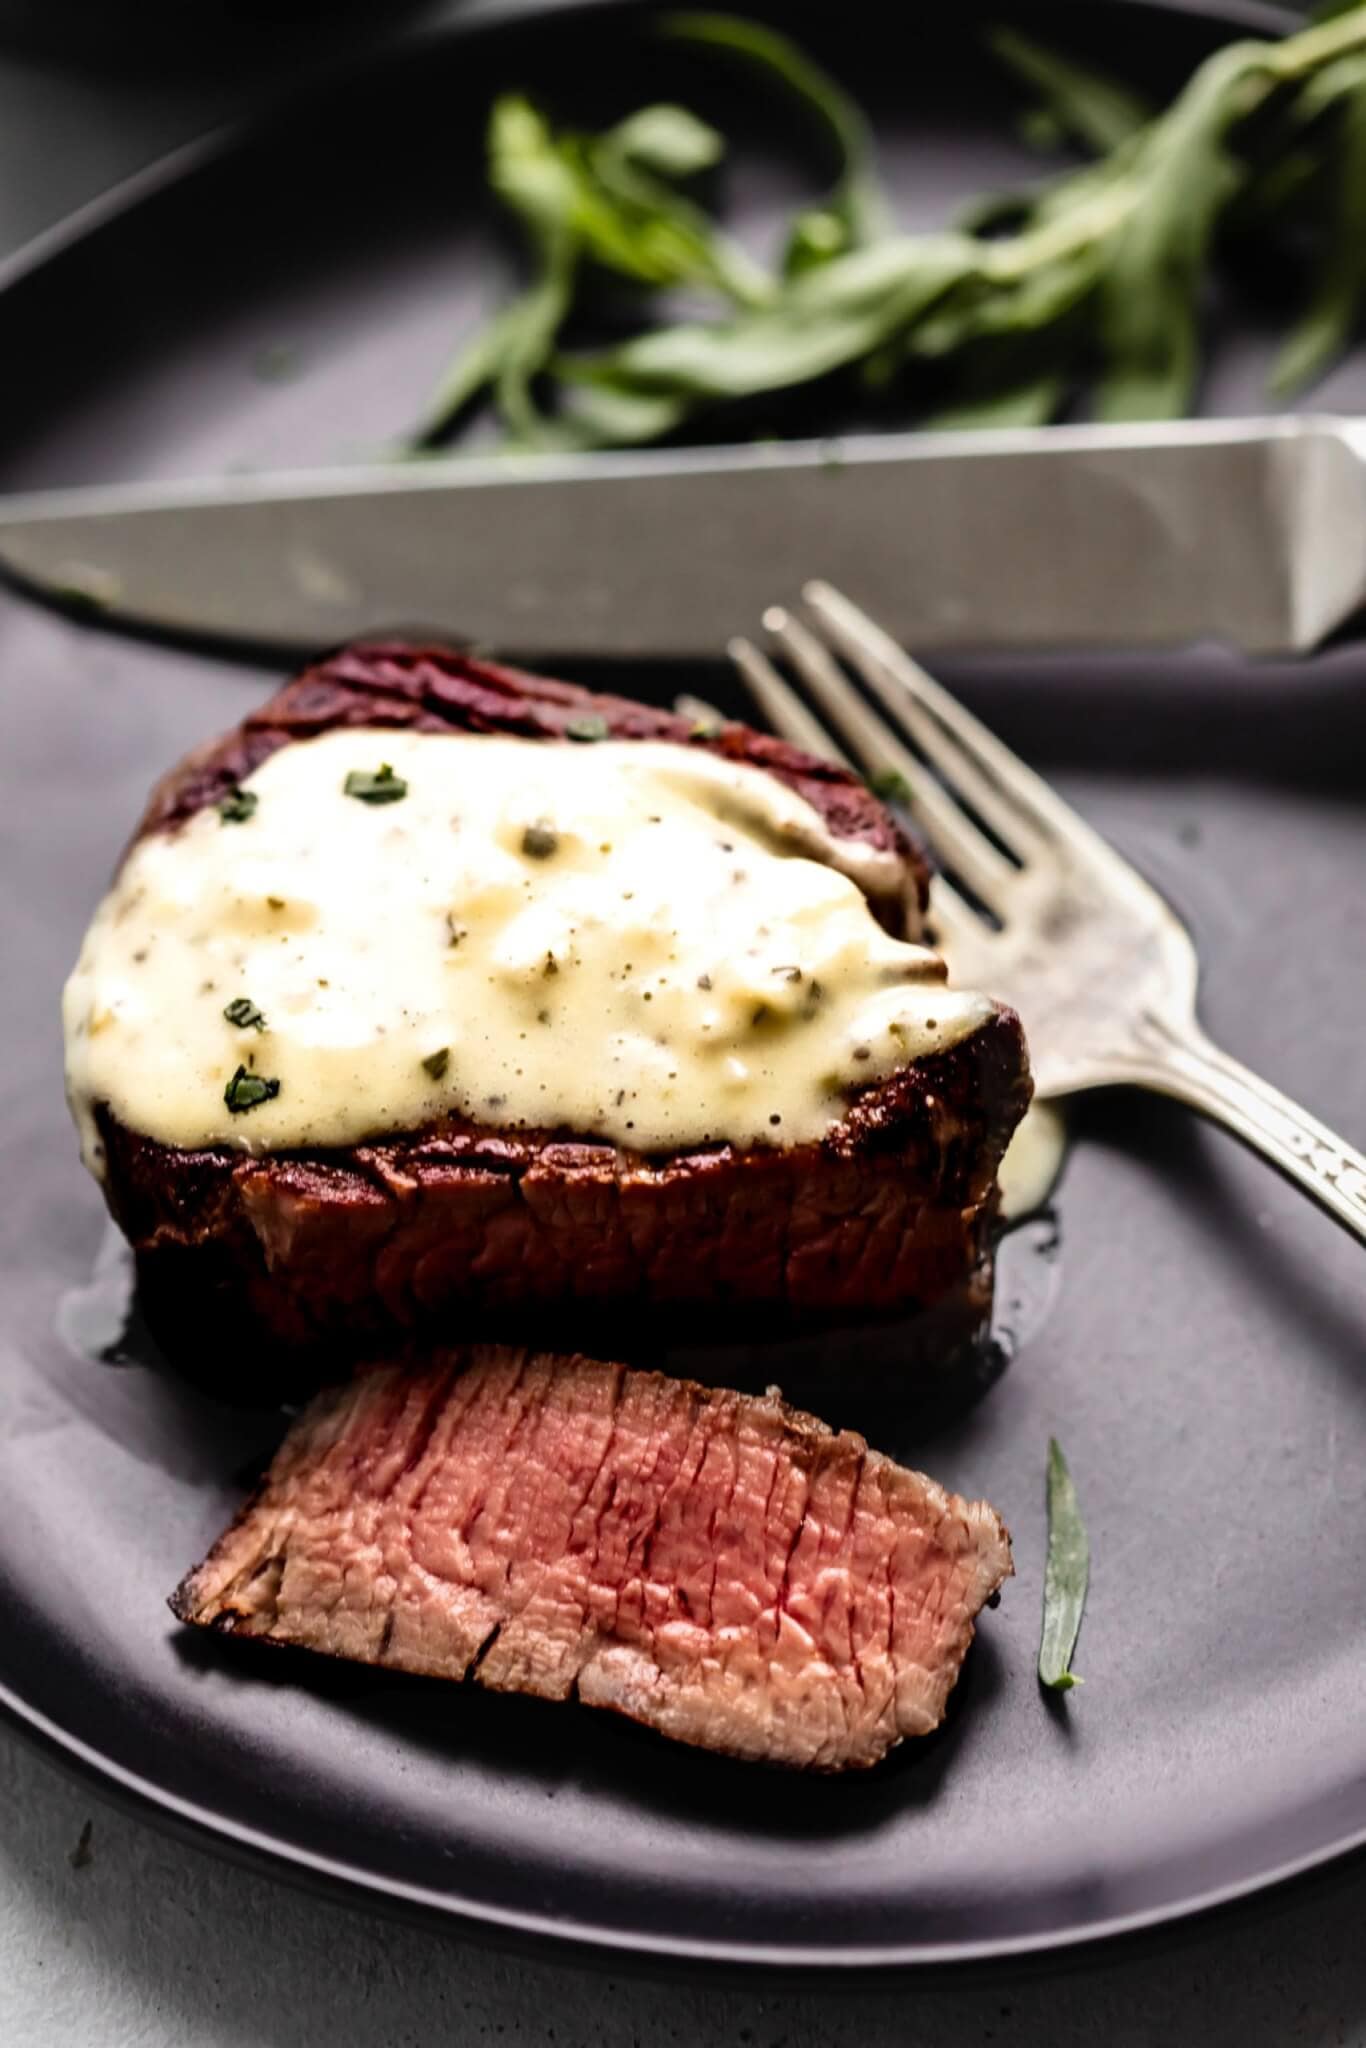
column 1251, row 532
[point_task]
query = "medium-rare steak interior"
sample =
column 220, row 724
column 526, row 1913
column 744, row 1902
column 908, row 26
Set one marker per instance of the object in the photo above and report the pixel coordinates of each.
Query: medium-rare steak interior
column 720, row 1567
column 438, row 991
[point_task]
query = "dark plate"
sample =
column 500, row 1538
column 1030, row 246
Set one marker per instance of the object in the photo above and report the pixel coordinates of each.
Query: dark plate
column 1196, row 1338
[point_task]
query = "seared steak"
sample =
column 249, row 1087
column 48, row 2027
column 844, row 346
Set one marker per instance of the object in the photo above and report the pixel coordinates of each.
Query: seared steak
column 436, row 689
column 329, row 1250
column 720, row 1567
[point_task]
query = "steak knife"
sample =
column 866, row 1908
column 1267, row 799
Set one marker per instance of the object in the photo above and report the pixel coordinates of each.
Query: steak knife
column 1251, row 532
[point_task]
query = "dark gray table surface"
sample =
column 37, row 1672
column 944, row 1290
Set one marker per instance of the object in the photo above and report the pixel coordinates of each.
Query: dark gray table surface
column 111, row 1934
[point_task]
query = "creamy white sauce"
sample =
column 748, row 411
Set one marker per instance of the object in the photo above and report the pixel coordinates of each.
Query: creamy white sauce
column 1033, row 1160
column 622, row 939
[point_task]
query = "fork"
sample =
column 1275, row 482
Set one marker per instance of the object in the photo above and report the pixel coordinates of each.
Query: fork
column 1032, row 904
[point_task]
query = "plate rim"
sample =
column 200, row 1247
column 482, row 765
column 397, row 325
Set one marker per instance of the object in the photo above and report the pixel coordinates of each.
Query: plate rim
column 107, row 208
column 553, row 1937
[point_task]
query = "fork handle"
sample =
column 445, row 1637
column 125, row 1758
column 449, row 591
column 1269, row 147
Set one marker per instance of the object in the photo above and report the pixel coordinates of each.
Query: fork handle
column 1184, row 1063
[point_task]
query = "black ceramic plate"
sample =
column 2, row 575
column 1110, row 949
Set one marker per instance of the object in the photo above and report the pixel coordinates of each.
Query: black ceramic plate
column 1190, row 1328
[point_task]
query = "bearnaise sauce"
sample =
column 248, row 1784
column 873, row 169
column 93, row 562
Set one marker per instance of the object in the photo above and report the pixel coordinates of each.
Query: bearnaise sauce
column 626, row 940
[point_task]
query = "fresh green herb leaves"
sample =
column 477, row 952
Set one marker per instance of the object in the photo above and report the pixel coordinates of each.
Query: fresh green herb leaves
column 383, row 787
column 1333, row 100
column 243, row 1013
column 1031, row 403
column 586, row 730
column 238, row 805
column 1181, row 178
column 827, row 319
column 248, row 1091
column 1082, row 104
column 607, row 201
column 1065, row 1576
column 855, row 211
column 1092, row 280
column 436, row 1063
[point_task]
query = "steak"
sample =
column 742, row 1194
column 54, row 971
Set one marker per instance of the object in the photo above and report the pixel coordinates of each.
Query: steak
column 717, row 1566
column 312, row 1254
column 394, row 687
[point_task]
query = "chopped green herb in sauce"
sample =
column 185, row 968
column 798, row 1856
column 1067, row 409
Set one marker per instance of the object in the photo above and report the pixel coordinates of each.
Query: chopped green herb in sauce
column 243, row 1012
column 436, row 1063
column 586, row 729
column 247, row 1091
column 891, row 786
column 1065, row 1576
column 238, row 805
column 383, row 787
column 540, row 840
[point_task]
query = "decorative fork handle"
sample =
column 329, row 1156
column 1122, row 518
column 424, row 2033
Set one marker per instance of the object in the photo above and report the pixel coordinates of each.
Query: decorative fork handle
column 1183, row 1062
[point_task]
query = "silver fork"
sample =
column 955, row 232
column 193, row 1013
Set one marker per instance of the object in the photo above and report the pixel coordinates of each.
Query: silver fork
column 1100, row 969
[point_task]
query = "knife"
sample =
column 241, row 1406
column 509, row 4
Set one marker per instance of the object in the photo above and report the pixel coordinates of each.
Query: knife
column 1251, row 532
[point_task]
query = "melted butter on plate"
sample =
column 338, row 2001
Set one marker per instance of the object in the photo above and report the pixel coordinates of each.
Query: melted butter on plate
column 1033, row 1161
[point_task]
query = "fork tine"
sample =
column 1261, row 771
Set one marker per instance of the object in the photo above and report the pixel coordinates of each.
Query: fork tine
column 893, row 674
column 954, row 919
column 943, row 750
column 953, row 834
column 956, row 924
column 780, row 704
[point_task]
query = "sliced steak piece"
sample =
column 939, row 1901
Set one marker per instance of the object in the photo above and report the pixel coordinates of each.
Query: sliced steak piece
column 717, row 1566
column 292, row 1256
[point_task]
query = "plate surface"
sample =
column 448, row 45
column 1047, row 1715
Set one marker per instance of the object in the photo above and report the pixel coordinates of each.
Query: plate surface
column 1195, row 1336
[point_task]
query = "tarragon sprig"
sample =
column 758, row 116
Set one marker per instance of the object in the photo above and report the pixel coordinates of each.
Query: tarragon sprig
column 1092, row 281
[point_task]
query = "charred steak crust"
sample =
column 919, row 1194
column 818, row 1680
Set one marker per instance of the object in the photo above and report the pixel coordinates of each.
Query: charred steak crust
column 435, row 689
column 889, row 1213
column 717, row 1566
column 335, row 1249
